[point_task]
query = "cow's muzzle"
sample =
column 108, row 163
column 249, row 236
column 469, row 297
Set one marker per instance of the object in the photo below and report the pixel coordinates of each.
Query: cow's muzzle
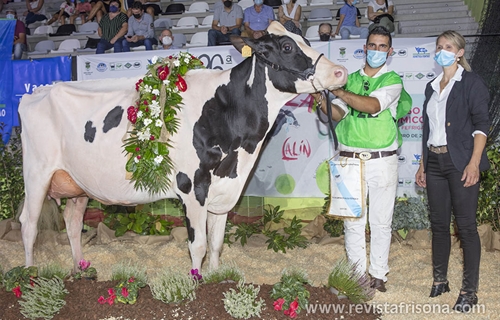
column 306, row 75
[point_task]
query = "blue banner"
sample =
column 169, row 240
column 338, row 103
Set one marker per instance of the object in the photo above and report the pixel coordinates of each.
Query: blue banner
column 7, row 28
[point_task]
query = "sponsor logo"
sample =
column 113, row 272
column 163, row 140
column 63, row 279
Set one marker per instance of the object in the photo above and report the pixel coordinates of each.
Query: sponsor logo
column 408, row 76
column 87, row 65
column 402, row 52
column 119, row 66
column 101, row 67
column 430, row 75
column 128, row 65
column 401, row 75
column 419, row 76
column 416, row 160
column 421, row 53
column 402, row 158
column 408, row 182
column 292, row 150
column 229, row 59
column 359, row 54
column 137, row 64
column 112, row 66
column 401, row 182
column 342, row 52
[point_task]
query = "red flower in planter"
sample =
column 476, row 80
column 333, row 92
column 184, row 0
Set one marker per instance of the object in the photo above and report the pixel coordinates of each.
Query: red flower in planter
column 17, row 291
column 278, row 304
column 124, row 292
column 196, row 275
column 181, row 83
column 101, row 300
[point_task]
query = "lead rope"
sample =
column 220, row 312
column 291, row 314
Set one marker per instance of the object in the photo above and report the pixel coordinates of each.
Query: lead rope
column 324, row 96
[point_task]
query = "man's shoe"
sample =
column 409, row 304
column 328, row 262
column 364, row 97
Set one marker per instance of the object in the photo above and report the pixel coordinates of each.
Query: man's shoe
column 378, row 284
column 439, row 289
column 465, row 302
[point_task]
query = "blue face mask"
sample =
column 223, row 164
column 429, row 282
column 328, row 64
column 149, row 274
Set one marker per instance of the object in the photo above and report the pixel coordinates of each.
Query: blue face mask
column 113, row 9
column 10, row 16
column 445, row 58
column 354, row 2
column 258, row 2
column 376, row 58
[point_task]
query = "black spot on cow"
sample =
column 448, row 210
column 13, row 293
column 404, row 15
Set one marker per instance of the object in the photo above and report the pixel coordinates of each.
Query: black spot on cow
column 190, row 230
column 202, row 181
column 183, row 182
column 90, row 131
column 112, row 119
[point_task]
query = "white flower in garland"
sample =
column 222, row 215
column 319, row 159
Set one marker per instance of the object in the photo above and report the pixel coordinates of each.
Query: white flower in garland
column 154, row 119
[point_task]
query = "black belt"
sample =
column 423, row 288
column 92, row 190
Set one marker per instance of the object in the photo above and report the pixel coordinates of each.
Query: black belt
column 365, row 155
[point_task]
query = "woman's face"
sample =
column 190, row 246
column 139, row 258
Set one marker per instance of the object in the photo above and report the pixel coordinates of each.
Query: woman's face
column 444, row 43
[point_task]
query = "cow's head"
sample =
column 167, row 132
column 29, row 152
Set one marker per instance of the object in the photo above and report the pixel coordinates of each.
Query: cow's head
column 294, row 66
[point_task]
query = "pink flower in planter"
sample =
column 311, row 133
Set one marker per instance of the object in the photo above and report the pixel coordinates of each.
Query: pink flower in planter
column 294, row 305
column 278, row 304
column 111, row 291
column 124, row 292
column 101, row 300
column 83, row 264
column 132, row 279
column 111, row 299
column 196, row 275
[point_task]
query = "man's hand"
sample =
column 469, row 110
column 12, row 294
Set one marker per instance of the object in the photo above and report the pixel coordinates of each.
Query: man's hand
column 112, row 41
column 134, row 38
column 223, row 29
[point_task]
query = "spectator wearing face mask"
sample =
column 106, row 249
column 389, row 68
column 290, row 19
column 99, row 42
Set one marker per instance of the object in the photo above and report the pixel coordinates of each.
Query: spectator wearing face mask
column 112, row 28
column 167, row 40
column 349, row 22
column 257, row 19
column 325, row 31
column 19, row 44
column 227, row 21
column 140, row 29
column 289, row 14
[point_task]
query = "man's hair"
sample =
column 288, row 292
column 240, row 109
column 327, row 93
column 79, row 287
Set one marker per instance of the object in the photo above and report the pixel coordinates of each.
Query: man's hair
column 117, row 2
column 137, row 5
column 326, row 24
column 14, row 11
column 380, row 31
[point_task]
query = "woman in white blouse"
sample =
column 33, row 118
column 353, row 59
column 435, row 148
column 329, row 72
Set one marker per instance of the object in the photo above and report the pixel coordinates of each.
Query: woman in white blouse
column 289, row 14
column 456, row 122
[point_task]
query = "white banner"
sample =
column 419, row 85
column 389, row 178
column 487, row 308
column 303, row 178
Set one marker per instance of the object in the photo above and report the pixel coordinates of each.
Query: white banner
column 292, row 163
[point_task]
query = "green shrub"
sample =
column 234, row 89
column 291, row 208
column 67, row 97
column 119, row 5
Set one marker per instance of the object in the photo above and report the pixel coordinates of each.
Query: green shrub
column 11, row 174
column 292, row 288
column 125, row 270
column 243, row 304
column 411, row 213
column 140, row 222
column 173, row 286
column 19, row 277
column 334, row 226
column 349, row 282
column 488, row 210
column 50, row 271
column 44, row 299
column 223, row 273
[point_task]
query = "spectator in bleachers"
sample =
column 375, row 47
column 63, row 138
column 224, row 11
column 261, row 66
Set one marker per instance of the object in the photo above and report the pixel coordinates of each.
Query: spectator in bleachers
column 167, row 40
column 83, row 8
column 227, row 21
column 99, row 9
column 325, row 31
column 152, row 8
column 35, row 11
column 381, row 13
column 19, row 44
column 66, row 10
column 289, row 14
column 112, row 28
column 2, row 2
column 141, row 31
column 257, row 18
column 349, row 22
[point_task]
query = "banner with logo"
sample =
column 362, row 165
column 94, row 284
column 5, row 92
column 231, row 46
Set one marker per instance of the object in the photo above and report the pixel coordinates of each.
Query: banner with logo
column 35, row 73
column 7, row 28
column 292, row 163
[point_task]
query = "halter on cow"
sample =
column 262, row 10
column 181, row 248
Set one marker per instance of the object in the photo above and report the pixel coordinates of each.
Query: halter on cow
column 222, row 125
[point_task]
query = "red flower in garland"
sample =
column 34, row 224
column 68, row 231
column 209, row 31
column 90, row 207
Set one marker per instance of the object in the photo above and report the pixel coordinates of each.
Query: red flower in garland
column 151, row 137
column 181, row 83
column 17, row 291
column 138, row 84
column 163, row 72
column 132, row 114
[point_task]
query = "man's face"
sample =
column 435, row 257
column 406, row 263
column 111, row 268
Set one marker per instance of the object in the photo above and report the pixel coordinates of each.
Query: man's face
column 137, row 12
column 324, row 32
column 378, row 42
column 12, row 13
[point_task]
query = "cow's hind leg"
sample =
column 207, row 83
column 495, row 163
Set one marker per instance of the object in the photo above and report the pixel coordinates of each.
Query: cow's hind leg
column 196, row 222
column 216, row 231
column 73, row 217
column 32, row 208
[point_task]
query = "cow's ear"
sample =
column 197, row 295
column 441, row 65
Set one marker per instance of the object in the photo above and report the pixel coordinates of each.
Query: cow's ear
column 237, row 42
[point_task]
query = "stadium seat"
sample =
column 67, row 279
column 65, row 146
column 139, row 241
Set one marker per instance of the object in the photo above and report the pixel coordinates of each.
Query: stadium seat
column 43, row 30
column 198, row 6
column 163, row 23
column 199, row 39
column 245, row 4
column 68, row 45
column 273, row 3
column 318, row 14
column 175, row 8
column 186, row 22
column 89, row 27
column 312, row 33
column 207, row 22
column 43, row 47
column 179, row 40
column 321, row 3
column 303, row 3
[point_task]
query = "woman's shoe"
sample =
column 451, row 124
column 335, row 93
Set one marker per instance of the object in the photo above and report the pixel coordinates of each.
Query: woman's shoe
column 439, row 289
column 465, row 302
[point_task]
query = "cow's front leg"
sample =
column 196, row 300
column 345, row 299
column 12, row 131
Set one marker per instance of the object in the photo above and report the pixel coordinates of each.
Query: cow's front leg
column 73, row 217
column 196, row 223
column 216, row 231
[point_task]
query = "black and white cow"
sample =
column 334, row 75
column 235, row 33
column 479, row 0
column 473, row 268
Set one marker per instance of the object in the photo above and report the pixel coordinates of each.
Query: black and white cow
column 72, row 139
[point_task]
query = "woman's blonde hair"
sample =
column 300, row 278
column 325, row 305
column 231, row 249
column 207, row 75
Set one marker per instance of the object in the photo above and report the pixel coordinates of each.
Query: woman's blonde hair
column 458, row 41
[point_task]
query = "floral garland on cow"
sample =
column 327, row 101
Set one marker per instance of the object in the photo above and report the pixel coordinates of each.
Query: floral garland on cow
column 153, row 119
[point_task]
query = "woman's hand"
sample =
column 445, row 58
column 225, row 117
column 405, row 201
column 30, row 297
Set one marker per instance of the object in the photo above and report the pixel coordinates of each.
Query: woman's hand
column 420, row 177
column 470, row 175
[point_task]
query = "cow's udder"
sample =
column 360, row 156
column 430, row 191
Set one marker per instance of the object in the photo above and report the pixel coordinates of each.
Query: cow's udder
column 63, row 186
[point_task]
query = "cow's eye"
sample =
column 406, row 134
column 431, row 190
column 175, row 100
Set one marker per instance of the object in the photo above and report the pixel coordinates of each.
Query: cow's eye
column 287, row 47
